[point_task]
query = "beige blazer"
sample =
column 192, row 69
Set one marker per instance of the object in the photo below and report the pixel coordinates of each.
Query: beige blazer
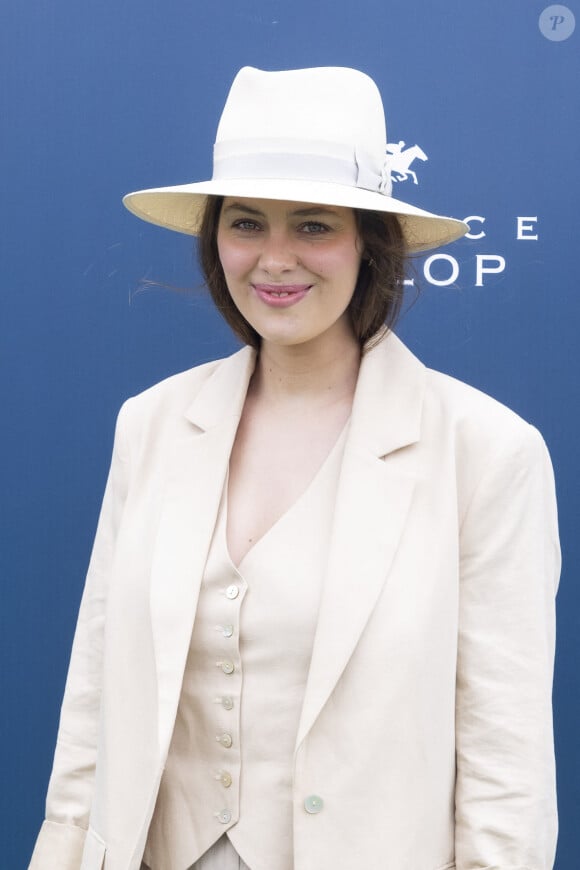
column 425, row 739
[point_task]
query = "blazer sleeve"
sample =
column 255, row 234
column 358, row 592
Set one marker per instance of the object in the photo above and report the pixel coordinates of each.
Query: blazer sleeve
column 510, row 561
column 60, row 843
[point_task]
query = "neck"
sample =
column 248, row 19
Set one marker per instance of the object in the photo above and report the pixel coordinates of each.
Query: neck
column 323, row 371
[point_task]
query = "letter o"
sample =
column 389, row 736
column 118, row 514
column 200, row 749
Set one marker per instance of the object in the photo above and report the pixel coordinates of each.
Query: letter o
column 436, row 281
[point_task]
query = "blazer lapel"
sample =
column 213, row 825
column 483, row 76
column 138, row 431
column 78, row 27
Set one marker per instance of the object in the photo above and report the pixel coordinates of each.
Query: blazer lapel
column 373, row 498
column 191, row 502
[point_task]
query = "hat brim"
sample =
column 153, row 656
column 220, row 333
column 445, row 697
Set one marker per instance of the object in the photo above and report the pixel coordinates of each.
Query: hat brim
column 181, row 207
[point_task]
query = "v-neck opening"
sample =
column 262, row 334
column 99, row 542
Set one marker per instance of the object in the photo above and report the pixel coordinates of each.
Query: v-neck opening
column 312, row 482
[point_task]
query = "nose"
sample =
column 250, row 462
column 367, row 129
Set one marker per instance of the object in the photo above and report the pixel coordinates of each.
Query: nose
column 277, row 254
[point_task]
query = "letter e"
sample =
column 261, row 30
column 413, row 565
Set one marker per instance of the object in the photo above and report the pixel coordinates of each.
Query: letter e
column 526, row 227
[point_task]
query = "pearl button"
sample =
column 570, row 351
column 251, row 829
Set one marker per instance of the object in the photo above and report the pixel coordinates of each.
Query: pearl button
column 227, row 630
column 225, row 739
column 313, row 804
column 227, row 667
column 232, row 592
column 224, row 817
column 227, row 702
column 225, row 778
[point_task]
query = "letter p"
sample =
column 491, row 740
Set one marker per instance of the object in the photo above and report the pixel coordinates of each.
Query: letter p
column 489, row 269
column 556, row 20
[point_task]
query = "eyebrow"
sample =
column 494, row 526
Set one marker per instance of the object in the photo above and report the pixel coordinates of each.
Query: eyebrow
column 300, row 212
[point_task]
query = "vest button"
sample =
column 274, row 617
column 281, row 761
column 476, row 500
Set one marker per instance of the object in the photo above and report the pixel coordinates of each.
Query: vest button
column 227, row 667
column 225, row 779
column 232, row 592
column 227, row 702
column 313, row 804
column 225, row 739
column 224, row 816
column 227, row 630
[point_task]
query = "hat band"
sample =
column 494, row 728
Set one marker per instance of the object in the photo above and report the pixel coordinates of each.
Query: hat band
column 314, row 164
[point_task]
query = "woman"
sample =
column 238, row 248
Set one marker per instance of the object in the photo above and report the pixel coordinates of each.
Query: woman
column 317, row 630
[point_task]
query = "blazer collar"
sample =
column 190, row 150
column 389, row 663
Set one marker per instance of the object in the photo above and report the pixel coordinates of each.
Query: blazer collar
column 386, row 413
column 193, row 487
column 386, row 417
column 222, row 395
column 374, row 496
column 387, row 407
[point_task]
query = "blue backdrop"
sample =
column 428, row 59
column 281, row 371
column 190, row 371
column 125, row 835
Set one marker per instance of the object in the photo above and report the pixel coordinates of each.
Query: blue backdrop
column 100, row 99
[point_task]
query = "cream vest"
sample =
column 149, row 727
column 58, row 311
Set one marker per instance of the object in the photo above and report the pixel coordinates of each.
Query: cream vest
column 229, row 768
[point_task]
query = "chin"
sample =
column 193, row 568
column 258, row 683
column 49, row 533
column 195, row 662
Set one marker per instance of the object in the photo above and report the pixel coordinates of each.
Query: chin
column 277, row 340
column 283, row 335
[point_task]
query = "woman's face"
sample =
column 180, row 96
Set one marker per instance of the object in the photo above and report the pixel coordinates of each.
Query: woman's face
column 290, row 267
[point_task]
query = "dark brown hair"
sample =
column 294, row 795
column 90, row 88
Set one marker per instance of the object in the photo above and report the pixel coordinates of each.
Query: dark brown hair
column 378, row 294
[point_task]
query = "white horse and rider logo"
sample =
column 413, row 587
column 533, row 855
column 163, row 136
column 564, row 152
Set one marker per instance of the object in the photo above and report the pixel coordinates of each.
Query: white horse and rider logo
column 399, row 160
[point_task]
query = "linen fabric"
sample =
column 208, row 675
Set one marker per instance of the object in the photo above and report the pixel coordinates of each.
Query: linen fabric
column 425, row 734
column 221, row 856
column 244, row 680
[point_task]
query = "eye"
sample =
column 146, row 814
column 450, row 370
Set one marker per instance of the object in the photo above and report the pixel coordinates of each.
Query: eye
column 314, row 228
column 245, row 224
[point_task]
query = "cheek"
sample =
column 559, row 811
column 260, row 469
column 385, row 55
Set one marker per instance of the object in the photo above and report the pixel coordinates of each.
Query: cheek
column 234, row 260
column 327, row 260
column 343, row 266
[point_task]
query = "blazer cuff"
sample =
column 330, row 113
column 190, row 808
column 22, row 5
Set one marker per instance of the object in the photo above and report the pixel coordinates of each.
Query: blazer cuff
column 58, row 847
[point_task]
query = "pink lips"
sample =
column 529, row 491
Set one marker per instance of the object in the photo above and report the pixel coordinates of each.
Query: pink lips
column 281, row 295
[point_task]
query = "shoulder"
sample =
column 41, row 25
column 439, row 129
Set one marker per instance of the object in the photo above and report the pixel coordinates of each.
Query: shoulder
column 469, row 411
column 497, row 457
column 167, row 405
column 454, row 415
column 174, row 391
column 495, row 449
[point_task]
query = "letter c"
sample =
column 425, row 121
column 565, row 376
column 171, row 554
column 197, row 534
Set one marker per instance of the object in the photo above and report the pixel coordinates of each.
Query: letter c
column 469, row 220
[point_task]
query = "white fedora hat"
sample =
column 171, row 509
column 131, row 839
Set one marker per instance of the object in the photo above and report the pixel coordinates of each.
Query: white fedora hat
column 307, row 135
